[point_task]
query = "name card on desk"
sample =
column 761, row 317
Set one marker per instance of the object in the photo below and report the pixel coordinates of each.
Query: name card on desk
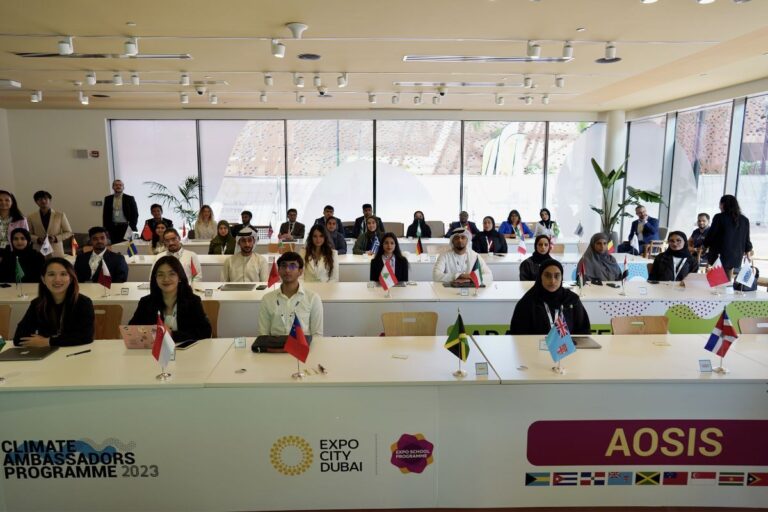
column 705, row 366
column 481, row 369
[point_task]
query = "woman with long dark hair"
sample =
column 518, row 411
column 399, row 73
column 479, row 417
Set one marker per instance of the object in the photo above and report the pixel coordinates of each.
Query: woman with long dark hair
column 158, row 245
column 10, row 218
column 389, row 251
column 171, row 296
column 60, row 316
column 529, row 268
column 728, row 237
column 514, row 226
column 419, row 227
column 321, row 260
column 489, row 240
column 30, row 261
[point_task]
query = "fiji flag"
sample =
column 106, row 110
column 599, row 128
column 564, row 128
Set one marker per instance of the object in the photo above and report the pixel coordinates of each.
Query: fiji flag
column 559, row 341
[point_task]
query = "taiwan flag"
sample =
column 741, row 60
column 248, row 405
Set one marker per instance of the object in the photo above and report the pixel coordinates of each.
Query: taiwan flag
column 296, row 344
column 722, row 337
column 105, row 278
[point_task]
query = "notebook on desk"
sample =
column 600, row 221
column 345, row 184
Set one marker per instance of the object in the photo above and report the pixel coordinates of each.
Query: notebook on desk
column 27, row 354
column 138, row 336
column 584, row 341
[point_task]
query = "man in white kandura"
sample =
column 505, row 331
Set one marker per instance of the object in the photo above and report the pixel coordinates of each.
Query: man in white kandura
column 188, row 259
column 455, row 265
column 245, row 265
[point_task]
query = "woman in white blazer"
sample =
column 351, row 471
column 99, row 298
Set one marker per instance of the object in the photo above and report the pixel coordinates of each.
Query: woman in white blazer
column 321, row 259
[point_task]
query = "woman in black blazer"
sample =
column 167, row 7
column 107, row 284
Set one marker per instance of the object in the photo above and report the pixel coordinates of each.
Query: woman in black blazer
column 728, row 237
column 389, row 250
column 171, row 296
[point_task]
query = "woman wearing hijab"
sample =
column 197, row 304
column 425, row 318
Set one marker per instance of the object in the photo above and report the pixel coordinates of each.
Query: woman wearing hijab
column 597, row 262
column 676, row 262
column 20, row 250
column 489, row 240
column 546, row 226
column 419, row 227
column 529, row 268
column 366, row 242
column 223, row 242
column 536, row 311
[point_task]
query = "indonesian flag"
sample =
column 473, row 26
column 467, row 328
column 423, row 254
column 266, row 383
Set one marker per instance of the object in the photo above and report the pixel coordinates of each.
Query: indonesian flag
column 46, row 248
column 723, row 335
column 419, row 247
column 163, row 347
column 193, row 269
column 296, row 343
column 716, row 275
column 75, row 246
column 146, row 233
column 477, row 273
column 521, row 248
column 387, row 277
column 105, row 278
column 274, row 277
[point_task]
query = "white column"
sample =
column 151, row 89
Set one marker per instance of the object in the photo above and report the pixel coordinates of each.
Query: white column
column 615, row 139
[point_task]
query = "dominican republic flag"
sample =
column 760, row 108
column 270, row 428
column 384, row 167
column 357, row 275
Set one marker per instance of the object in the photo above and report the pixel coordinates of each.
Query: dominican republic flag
column 105, row 278
column 387, row 277
column 716, row 275
column 46, row 248
column 75, row 246
column 146, row 233
column 559, row 341
column 476, row 275
column 419, row 247
column 163, row 347
column 296, row 344
column 723, row 335
column 274, row 277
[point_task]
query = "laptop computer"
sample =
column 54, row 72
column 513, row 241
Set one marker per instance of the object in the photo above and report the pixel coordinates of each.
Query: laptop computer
column 584, row 341
column 27, row 354
column 237, row 287
column 138, row 336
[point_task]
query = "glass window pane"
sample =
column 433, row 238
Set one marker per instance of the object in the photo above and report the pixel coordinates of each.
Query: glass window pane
column 330, row 162
column 571, row 183
column 417, row 168
column 161, row 151
column 752, row 191
column 646, row 158
column 503, row 169
column 243, row 169
column 701, row 155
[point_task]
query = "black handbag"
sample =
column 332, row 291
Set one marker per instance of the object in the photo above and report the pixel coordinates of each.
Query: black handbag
column 740, row 287
column 274, row 344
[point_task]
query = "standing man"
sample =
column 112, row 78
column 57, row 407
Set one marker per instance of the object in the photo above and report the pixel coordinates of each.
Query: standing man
column 246, row 266
column 47, row 223
column 188, row 259
column 120, row 212
column 88, row 264
column 646, row 228
column 455, row 266
column 360, row 221
column 245, row 218
column 291, row 230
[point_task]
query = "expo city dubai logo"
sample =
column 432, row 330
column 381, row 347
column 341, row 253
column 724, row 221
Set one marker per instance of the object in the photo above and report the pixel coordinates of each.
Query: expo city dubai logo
column 412, row 453
column 277, row 455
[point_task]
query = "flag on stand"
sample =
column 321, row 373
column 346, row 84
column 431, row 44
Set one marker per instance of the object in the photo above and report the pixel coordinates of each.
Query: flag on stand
column 270, row 230
column 75, row 246
column 521, row 248
column 105, row 278
column 419, row 247
column 132, row 250
column 387, row 277
column 296, row 343
column 162, row 348
column 46, row 248
column 611, row 248
column 746, row 275
column 274, row 277
column 722, row 337
column 579, row 230
column 376, row 244
column 559, row 341
column 193, row 270
column 635, row 244
column 580, row 273
column 128, row 234
column 476, row 275
column 716, row 275
column 146, row 233
column 457, row 342
column 183, row 230
column 19, row 271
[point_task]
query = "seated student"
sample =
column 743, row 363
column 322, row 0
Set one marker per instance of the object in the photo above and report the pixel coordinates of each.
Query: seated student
column 20, row 250
column 189, row 260
column 337, row 239
column 529, row 268
column 245, row 266
column 419, row 227
column 489, row 240
column 245, row 223
column 158, row 243
column 171, row 295
column 223, row 242
column 645, row 228
column 534, row 313
column 10, row 218
column 514, row 227
column 291, row 230
column 88, row 264
column 389, row 250
column 60, row 316
column 546, row 226
column 456, row 264
column 157, row 217
column 279, row 306
column 366, row 241
column 205, row 225
column 328, row 214
column 598, row 263
column 676, row 262
column 322, row 260
column 48, row 223
column 358, row 228
column 463, row 222
column 696, row 241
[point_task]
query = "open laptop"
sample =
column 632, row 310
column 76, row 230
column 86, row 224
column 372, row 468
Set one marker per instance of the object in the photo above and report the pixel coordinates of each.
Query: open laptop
column 27, row 354
column 584, row 341
column 138, row 336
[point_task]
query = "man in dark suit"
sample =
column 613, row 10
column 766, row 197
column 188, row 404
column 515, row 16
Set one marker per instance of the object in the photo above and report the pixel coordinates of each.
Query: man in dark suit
column 360, row 221
column 88, row 264
column 646, row 228
column 291, row 230
column 120, row 212
column 463, row 222
column 327, row 214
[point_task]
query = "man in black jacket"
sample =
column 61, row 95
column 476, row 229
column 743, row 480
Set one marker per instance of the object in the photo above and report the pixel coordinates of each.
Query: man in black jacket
column 88, row 264
column 120, row 212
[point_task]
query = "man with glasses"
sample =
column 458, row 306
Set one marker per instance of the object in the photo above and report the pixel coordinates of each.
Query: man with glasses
column 120, row 212
column 188, row 259
column 279, row 307
column 245, row 265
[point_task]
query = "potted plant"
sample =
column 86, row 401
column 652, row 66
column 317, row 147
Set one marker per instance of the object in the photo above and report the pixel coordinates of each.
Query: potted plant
column 181, row 203
column 613, row 209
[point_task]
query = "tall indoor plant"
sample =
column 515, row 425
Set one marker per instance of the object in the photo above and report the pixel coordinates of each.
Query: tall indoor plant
column 181, row 203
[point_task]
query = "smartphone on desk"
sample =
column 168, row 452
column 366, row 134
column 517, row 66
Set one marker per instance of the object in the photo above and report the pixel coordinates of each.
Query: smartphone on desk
column 184, row 345
column 613, row 285
column 652, row 282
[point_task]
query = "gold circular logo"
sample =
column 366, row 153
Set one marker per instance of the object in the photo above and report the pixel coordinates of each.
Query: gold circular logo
column 276, row 455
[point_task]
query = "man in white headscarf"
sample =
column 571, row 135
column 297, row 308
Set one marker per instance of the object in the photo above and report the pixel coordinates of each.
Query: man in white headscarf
column 455, row 265
column 245, row 265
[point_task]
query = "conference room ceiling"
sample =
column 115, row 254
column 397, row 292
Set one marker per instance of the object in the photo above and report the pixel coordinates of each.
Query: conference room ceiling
column 669, row 49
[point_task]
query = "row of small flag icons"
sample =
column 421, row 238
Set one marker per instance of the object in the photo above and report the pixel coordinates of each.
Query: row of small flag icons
column 602, row 478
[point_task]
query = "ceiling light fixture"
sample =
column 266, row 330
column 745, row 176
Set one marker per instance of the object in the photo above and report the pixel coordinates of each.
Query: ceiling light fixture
column 741, row 1
column 263, row 97
column 705, row 2
column 499, row 100
column 300, row 98
column 90, row 78
column 135, row 80
column 184, row 79
column 268, row 80
column 278, row 49
column 184, row 98
column 317, row 81
column 66, row 47
column 371, row 98
column 342, row 80
column 435, row 100
column 528, row 100
column 36, row 97
column 298, row 80
column 296, row 28
column 534, row 50
column 117, row 79
column 527, row 82
column 567, row 50
column 648, row 1
column 131, row 47
column 559, row 82
column 395, row 99
column 213, row 99
column 83, row 98
column 545, row 99
column 610, row 54
column 417, row 99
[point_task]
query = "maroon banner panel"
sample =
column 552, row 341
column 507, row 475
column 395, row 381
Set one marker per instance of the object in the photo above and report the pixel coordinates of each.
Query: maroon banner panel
column 648, row 442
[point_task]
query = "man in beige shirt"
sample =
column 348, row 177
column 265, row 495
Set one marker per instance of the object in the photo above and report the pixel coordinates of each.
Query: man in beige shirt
column 48, row 223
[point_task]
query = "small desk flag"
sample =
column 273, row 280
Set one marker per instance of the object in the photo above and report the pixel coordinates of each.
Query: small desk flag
column 476, row 275
column 387, row 277
column 132, row 250
column 75, row 246
column 722, row 337
column 146, row 233
column 521, row 248
column 559, row 341
column 46, row 248
column 716, row 275
column 274, row 277
column 105, row 278
column 19, row 271
column 128, row 234
column 419, row 247
column 296, row 343
column 376, row 244
column 457, row 342
column 163, row 347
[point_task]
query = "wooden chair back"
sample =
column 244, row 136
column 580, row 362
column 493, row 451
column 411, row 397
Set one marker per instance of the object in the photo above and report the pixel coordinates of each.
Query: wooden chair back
column 5, row 321
column 653, row 248
column 398, row 228
column 211, row 308
column 437, row 227
column 753, row 325
column 639, row 324
column 422, row 323
column 106, row 323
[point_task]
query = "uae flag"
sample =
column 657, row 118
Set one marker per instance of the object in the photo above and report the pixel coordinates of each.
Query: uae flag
column 105, row 278
column 387, row 277
column 296, row 343
column 716, row 275
column 521, row 248
column 162, row 348
column 274, row 277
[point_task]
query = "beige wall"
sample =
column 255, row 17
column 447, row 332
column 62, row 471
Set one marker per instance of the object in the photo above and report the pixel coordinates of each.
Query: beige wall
column 7, row 180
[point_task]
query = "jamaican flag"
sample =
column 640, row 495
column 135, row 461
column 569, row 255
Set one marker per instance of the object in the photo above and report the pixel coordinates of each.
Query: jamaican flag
column 457, row 340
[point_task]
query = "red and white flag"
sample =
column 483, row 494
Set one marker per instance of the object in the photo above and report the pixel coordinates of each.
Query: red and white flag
column 716, row 275
column 274, row 277
column 105, row 278
column 75, row 246
column 521, row 248
column 184, row 230
column 163, row 347
column 193, row 269
column 146, row 233
column 296, row 343
column 387, row 277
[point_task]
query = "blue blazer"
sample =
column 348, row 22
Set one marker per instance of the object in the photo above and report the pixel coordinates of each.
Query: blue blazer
column 650, row 231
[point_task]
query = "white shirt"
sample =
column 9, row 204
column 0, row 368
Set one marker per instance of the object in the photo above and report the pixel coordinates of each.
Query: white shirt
column 450, row 265
column 185, row 258
column 276, row 312
column 317, row 272
column 239, row 269
column 541, row 230
column 94, row 261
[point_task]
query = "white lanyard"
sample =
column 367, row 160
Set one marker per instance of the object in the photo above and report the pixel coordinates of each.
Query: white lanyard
column 550, row 316
column 678, row 268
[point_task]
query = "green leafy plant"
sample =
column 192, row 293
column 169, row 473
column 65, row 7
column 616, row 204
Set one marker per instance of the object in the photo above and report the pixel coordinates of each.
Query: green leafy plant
column 182, row 203
column 613, row 209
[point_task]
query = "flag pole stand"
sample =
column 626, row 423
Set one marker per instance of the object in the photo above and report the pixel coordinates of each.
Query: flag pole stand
column 623, row 291
column 460, row 373
column 387, row 295
column 299, row 374
column 106, row 292
column 20, row 291
column 721, row 370
column 474, row 294
column 164, row 376
column 559, row 368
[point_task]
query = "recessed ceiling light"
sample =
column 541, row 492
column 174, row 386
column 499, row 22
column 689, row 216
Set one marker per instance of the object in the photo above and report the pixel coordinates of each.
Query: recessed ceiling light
column 705, row 2
column 342, row 80
column 117, row 79
column 36, row 97
column 581, row 29
column 263, row 97
column 130, row 23
column 90, row 78
column 395, row 99
column 131, row 47
column 559, row 82
column 648, row 1
column 741, row 1
column 135, row 80
column 184, row 98
column 268, row 80
column 66, row 47
column 308, row 56
column 499, row 100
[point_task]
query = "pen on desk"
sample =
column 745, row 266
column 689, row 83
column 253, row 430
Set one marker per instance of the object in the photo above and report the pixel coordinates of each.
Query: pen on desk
column 78, row 353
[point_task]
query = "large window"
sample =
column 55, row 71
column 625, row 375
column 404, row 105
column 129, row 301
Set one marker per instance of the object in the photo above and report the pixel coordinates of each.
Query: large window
column 646, row 157
column 752, row 190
